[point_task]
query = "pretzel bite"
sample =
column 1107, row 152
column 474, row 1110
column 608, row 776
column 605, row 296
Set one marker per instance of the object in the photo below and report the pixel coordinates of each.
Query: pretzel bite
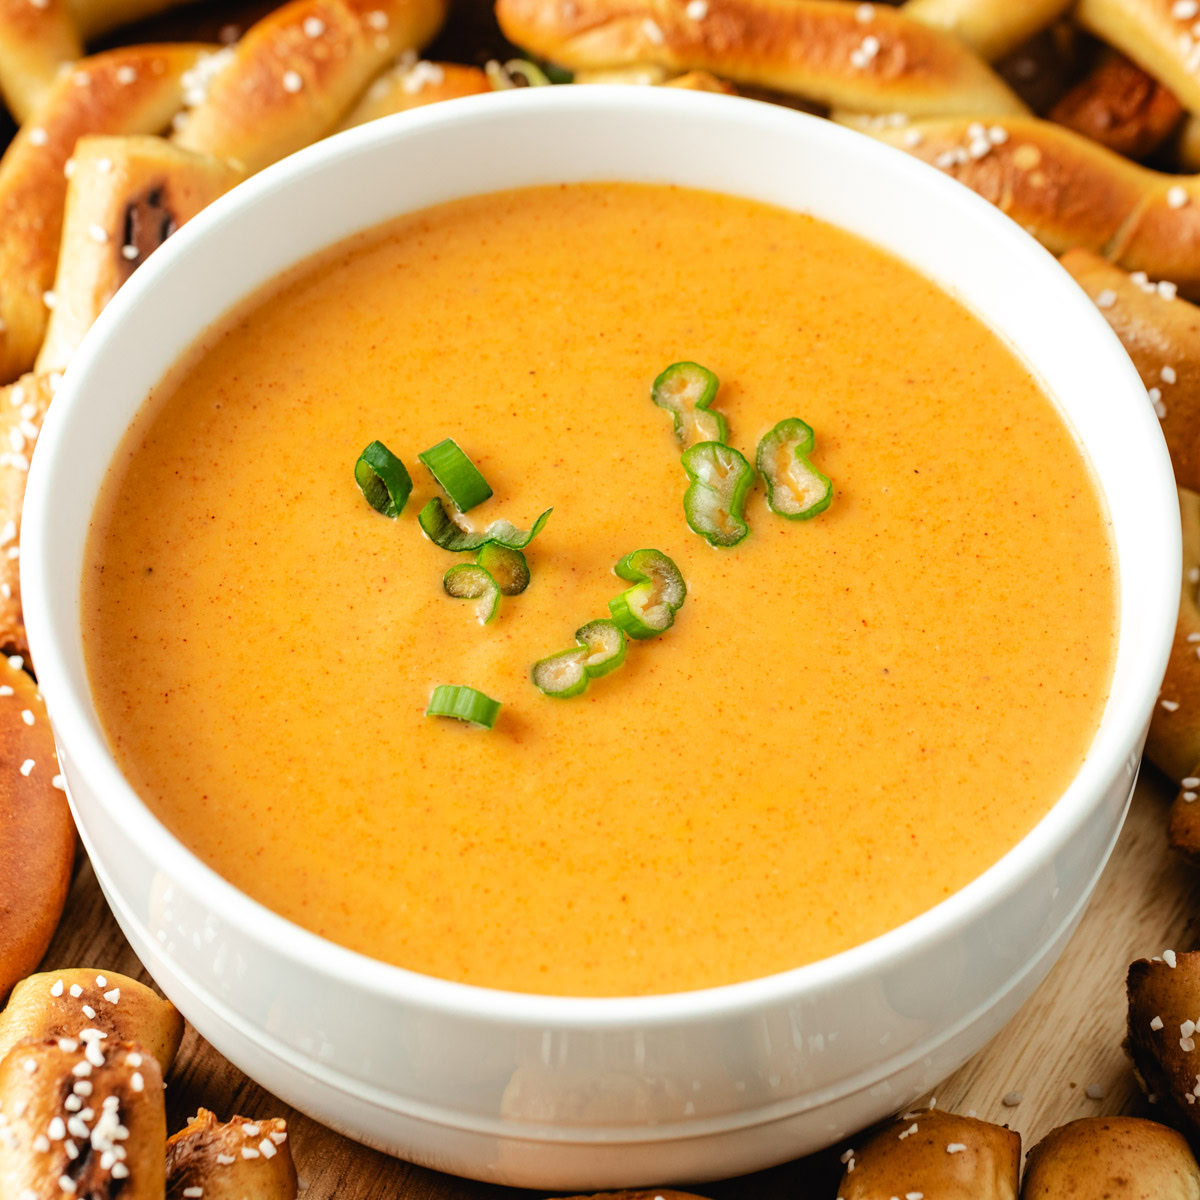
column 239, row 1159
column 1162, row 336
column 81, row 1117
column 413, row 85
column 1068, row 191
column 939, row 1154
column 1121, row 107
column 868, row 58
column 125, row 197
column 58, row 1004
column 1164, row 1002
column 1111, row 1158
column 297, row 72
column 992, row 28
column 133, row 90
column 1157, row 34
column 23, row 407
column 37, row 836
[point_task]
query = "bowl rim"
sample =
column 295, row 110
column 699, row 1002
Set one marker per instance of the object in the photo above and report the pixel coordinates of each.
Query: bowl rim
column 1103, row 762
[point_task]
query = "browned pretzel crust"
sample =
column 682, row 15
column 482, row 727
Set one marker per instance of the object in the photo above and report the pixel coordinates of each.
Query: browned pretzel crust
column 1068, row 191
column 81, row 1117
column 37, row 836
column 820, row 49
column 134, row 90
column 413, row 85
column 36, row 41
column 1121, row 107
column 1111, row 1158
column 61, row 1003
column 992, row 28
column 286, row 84
column 126, row 196
column 240, row 1159
column 938, row 1154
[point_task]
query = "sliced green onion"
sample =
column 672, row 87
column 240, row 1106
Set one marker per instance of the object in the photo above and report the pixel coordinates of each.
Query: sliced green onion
column 686, row 390
column 795, row 488
column 516, row 73
column 456, row 474
column 649, row 607
column 444, row 531
column 471, row 582
column 561, row 675
column 605, row 644
column 506, row 566
column 601, row 649
column 383, row 479
column 463, row 704
column 719, row 480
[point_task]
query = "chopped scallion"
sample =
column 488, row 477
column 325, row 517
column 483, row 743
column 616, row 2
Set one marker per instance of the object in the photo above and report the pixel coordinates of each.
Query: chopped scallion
column 383, row 479
column 456, row 474
column 686, row 390
column 795, row 488
column 649, row 607
column 508, row 567
column 463, row 704
column 601, row 649
column 444, row 531
column 719, row 480
column 468, row 581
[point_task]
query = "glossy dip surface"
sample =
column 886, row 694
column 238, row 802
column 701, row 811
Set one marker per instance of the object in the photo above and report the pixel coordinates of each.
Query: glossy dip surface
column 852, row 717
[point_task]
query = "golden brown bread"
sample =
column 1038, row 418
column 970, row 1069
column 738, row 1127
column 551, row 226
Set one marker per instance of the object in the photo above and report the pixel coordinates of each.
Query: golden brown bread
column 1164, row 1002
column 81, row 1117
column 1162, row 336
column 37, row 835
column 232, row 1161
column 134, row 90
column 126, row 195
column 868, row 58
column 36, row 41
column 1111, row 1158
column 93, row 17
column 61, row 1003
column 297, row 72
column 1121, row 107
column 1068, row 191
column 938, row 1154
column 1159, row 35
column 992, row 28
column 23, row 406
column 413, row 85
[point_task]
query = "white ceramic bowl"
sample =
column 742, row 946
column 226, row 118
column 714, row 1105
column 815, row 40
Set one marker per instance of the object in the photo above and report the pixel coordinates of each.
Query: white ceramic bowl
column 584, row 1093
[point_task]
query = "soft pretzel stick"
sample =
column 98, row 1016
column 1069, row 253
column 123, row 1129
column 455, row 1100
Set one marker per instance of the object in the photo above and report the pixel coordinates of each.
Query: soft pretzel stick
column 413, row 85
column 37, row 836
column 1111, row 1158
column 82, row 1117
column 125, row 197
column 132, row 90
column 1163, row 339
column 1068, row 191
column 61, row 1003
column 231, row 1161
column 297, row 71
column 937, row 1154
column 1157, row 34
column 860, row 56
column 1164, row 1001
column 1121, row 107
column 992, row 28
column 36, row 41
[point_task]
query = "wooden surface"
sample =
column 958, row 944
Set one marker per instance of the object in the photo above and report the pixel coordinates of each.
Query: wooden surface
column 1067, row 1038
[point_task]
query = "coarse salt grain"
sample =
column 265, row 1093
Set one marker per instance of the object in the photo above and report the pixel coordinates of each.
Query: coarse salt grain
column 27, row 766
column 225, row 1160
column 1095, row 1091
column 1177, row 196
column 1168, row 956
column 267, row 1148
column 57, row 989
column 313, row 27
column 864, row 14
column 126, row 75
column 89, row 1012
column 76, row 991
column 1106, row 299
column 293, row 81
column 956, row 1148
column 112, row 997
column 1169, row 705
column 697, row 10
column 1012, row 1099
column 653, row 32
column 98, row 234
column 193, row 1192
column 38, row 136
column 137, row 1082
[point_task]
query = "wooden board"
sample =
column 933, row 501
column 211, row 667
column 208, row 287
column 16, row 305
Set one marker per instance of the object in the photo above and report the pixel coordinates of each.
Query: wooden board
column 1066, row 1038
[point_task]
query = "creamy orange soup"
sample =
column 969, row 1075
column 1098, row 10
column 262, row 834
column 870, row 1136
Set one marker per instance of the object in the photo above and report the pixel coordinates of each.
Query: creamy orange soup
column 852, row 717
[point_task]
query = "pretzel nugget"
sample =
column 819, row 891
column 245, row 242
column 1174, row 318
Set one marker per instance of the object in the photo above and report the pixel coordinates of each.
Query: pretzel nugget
column 81, row 1117
column 939, row 1154
column 1121, row 107
column 1164, row 1001
column 57, row 1004
column 1068, row 191
column 297, row 71
column 1111, row 1158
column 1157, row 34
column 125, row 197
column 134, row 90
column 232, row 1161
column 869, row 58
column 992, row 28
column 37, row 835
column 413, row 85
